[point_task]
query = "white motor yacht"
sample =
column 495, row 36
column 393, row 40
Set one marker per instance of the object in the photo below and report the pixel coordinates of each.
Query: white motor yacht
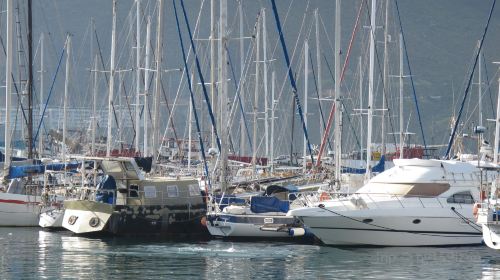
column 416, row 203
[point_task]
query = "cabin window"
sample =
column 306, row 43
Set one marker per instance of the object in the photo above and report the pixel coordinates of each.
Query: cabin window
column 461, row 197
column 172, row 191
column 129, row 166
column 111, row 166
column 428, row 189
column 149, row 191
column 194, row 190
column 134, row 191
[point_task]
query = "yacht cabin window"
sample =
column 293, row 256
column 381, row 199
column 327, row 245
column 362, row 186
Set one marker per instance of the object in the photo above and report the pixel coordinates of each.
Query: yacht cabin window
column 194, row 190
column 461, row 197
column 172, row 191
column 406, row 189
column 134, row 191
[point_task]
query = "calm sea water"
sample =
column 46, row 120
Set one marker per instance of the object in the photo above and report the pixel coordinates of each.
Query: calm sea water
column 33, row 253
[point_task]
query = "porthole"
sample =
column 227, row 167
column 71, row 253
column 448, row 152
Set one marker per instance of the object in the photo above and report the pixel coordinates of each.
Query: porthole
column 72, row 220
column 367, row 221
column 94, row 222
column 416, row 221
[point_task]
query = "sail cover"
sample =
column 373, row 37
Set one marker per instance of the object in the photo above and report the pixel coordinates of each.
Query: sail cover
column 264, row 204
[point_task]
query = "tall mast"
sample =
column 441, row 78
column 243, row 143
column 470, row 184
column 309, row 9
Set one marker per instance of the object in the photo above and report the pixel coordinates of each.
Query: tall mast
column 266, row 97
column 190, row 124
column 497, row 127
column 212, row 66
column 386, row 75
column 111, row 82
column 242, row 86
column 318, row 63
column 273, row 78
column 401, row 84
column 30, row 80
column 8, row 87
column 156, row 102
column 138, row 76
column 223, row 93
column 145, row 113
column 94, row 106
column 338, row 104
column 256, row 95
column 66, row 93
column 361, row 128
column 401, row 120
column 370, row 89
column 42, row 42
column 120, row 112
column 306, row 85
column 480, row 89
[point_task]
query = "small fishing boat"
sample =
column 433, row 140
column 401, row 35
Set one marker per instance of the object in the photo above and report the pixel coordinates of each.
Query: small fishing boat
column 125, row 202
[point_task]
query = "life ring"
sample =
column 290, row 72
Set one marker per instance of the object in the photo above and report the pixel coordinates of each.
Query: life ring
column 324, row 196
column 475, row 209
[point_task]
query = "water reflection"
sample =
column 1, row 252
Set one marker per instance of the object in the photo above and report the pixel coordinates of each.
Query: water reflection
column 33, row 253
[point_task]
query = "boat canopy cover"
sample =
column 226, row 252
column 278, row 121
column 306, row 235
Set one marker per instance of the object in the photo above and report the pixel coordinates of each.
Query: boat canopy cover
column 264, row 204
column 279, row 189
column 380, row 167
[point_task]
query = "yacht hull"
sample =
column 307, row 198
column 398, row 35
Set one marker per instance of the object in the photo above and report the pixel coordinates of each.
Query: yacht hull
column 84, row 217
column 396, row 227
column 121, row 220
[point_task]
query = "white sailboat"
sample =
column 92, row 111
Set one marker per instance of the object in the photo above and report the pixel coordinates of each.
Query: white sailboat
column 18, row 207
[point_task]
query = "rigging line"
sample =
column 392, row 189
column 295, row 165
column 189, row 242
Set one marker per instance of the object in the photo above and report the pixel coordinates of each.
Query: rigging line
column 200, row 74
column 50, row 93
column 105, row 74
column 343, row 105
column 291, row 78
column 332, row 111
column 193, row 104
column 319, row 98
column 411, row 75
column 129, row 109
column 384, row 86
column 384, row 93
column 170, row 113
column 15, row 86
column 467, row 221
column 238, row 95
column 282, row 87
column 181, row 82
column 452, row 136
column 489, row 90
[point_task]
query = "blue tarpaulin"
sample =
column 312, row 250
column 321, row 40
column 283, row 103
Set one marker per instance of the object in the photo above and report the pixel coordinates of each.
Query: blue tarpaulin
column 264, row 204
column 30, row 170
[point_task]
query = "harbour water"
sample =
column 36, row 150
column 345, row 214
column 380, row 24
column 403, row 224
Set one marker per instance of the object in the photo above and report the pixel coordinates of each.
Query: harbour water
column 31, row 253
